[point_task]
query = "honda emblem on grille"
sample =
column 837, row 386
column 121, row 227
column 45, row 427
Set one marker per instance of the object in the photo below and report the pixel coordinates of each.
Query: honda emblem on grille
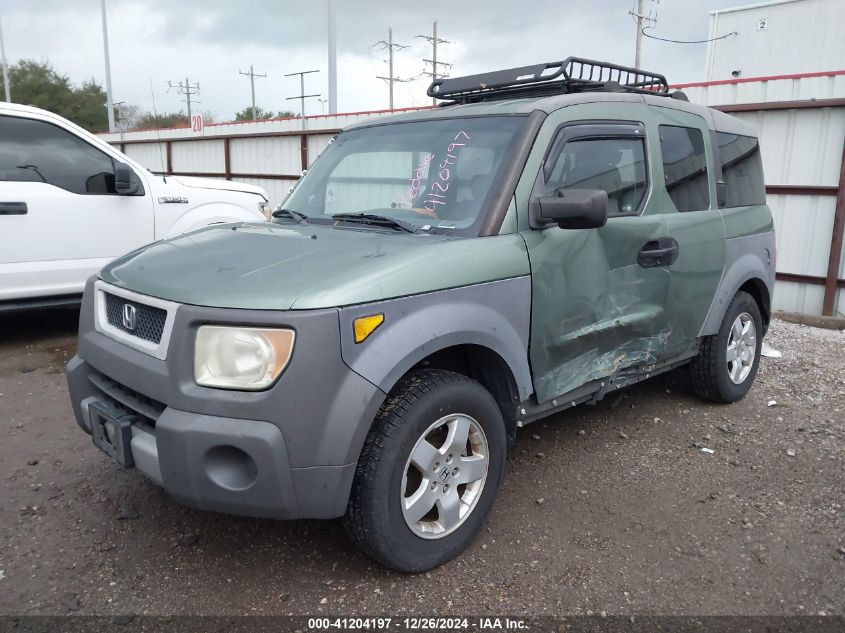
column 129, row 316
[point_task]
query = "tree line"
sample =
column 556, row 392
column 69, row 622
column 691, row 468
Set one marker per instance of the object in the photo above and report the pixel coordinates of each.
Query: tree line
column 38, row 84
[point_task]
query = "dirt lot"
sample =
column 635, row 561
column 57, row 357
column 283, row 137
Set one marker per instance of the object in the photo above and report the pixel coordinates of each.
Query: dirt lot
column 635, row 518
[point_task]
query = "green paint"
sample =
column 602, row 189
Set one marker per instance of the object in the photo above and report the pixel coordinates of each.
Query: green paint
column 595, row 311
column 281, row 267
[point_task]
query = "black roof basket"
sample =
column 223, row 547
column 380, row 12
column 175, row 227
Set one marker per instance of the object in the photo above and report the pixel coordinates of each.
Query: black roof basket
column 574, row 74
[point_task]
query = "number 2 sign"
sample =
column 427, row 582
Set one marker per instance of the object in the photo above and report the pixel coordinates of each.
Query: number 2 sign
column 196, row 123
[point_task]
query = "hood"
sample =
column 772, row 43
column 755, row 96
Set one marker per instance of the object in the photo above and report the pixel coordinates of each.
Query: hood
column 281, row 267
column 222, row 185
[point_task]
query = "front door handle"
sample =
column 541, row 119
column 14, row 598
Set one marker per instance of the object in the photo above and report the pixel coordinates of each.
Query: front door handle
column 13, row 208
column 660, row 252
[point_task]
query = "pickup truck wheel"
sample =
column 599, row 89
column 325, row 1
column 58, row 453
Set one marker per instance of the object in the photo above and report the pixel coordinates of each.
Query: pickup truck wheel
column 429, row 471
column 727, row 363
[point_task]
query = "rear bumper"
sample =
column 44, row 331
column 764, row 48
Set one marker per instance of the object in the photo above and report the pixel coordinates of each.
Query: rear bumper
column 222, row 464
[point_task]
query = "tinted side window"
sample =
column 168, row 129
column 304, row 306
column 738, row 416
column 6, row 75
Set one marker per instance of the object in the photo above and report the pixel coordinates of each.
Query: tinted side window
column 742, row 170
column 685, row 167
column 616, row 165
column 35, row 151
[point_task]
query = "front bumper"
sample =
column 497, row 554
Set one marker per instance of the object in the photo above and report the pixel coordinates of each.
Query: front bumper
column 286, row 453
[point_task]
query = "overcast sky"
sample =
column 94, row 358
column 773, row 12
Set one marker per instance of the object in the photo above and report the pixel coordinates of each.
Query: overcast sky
column 209, row 41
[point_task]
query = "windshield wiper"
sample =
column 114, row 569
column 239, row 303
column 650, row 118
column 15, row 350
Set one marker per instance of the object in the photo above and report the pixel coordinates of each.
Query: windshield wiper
column 377, row 220
column 290, row 213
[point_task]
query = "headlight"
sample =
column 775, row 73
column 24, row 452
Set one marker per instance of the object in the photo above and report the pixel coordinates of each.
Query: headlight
column 248, row 359
column 265, row 209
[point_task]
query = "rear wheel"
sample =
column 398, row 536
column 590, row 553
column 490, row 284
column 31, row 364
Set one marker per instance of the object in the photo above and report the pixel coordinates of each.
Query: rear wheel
column 727, row 363
column 429, row 471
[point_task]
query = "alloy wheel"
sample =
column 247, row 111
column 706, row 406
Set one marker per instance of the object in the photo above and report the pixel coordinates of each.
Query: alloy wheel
column 444, row 476
column 742, row 348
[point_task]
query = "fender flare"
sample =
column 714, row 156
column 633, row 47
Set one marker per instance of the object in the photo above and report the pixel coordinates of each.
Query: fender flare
column 493, row 315
column 746, row 268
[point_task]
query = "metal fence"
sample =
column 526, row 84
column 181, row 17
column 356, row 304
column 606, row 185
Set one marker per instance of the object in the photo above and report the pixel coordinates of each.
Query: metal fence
column 800, row 119
column 801, row 122
column 271, row 153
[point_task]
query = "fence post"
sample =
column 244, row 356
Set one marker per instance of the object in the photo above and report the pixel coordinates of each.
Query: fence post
column 303, row 151
column 836, row 238
column 169, row 146
column 227, row 165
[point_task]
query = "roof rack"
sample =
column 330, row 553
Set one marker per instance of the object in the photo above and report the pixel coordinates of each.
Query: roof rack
column 574, row 74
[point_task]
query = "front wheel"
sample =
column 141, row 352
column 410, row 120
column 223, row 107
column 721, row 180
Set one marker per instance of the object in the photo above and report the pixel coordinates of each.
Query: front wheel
column 429, row 471
column 727, row 362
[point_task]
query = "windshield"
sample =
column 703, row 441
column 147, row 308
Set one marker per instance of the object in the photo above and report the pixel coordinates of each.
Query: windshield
column 438, row 175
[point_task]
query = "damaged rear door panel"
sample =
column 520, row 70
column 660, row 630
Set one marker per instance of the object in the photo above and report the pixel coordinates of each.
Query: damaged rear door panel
column 689, row 203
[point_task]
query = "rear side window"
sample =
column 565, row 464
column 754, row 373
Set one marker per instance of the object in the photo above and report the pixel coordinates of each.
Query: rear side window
column 35, row 151
column 615, row 165
column 742, row 170
column 685, row 167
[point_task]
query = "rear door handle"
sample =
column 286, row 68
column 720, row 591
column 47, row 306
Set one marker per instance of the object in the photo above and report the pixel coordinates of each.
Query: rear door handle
column 660, row 252
column 13, row 208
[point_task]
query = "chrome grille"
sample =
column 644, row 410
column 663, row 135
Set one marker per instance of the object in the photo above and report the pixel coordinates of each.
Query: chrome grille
column 149, row 320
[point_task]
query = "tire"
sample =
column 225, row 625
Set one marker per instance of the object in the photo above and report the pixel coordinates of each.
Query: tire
column 714, row 377
column 419, row 417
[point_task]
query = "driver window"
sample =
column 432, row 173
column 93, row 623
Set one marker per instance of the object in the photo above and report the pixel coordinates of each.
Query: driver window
column 35, row 151
column 615, row 165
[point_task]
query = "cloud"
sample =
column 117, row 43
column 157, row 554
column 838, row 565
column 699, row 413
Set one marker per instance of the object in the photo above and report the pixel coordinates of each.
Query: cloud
column 210, row 40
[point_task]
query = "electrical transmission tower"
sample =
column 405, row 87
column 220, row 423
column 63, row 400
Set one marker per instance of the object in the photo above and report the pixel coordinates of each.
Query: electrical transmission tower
column 252, row 75
column 186, row 89
column 390, row 46
column 434, row 41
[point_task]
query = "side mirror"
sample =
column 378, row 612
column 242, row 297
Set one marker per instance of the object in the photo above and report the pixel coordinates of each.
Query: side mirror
column 125, row 181
column 574, row 208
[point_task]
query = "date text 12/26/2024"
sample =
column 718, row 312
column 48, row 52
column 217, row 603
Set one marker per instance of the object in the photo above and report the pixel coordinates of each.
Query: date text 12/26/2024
column 417, row 624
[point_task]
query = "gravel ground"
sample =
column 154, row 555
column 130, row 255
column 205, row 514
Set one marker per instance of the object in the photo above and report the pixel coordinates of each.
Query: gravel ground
column 634, row 517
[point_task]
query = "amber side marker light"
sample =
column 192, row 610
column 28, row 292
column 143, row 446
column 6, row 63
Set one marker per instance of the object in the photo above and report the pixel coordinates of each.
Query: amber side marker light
column 364, row 326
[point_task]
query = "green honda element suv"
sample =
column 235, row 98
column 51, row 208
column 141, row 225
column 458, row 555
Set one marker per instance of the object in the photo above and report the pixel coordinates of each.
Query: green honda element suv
column 437, row 280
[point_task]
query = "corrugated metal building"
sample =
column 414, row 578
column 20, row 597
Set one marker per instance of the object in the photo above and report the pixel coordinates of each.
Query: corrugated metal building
column 776, row 38
column 801, row 123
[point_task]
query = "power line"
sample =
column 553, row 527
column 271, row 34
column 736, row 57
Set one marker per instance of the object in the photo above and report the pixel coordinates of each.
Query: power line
column 434, row 41
column 186, row 89
column 390, row 46
column 252, row 75
column 649, row 21
column 302, row 96
column 663, row 39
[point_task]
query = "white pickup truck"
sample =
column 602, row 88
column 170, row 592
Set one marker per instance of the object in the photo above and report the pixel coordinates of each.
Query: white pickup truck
column 70, row 203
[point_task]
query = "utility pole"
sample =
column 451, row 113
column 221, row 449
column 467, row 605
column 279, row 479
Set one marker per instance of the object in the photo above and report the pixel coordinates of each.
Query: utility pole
column 252, row 75
column 109, row 103
column 302, row 96
column 643, row 21
column 5, row 68
column 332, row 59
column 186, row 89
column 434, row 41
column 390, row 47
